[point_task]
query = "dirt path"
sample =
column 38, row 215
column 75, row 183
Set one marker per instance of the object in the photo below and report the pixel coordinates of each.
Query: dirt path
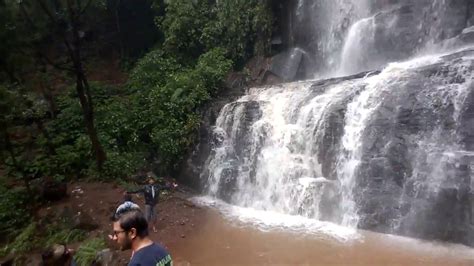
column 95, row 203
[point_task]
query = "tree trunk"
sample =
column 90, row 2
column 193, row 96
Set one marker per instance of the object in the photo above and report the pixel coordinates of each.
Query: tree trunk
column 119, row 32
column 88, row 114
column 82, row 86
column 83, row 90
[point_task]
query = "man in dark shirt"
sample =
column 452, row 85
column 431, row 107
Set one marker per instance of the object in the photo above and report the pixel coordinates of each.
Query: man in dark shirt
column 130, row 231
column 151, row 192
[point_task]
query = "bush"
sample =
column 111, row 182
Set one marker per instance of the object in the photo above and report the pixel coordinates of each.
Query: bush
column 167, row 110
column 64, row 235
column 13, row 210
column 87, row 251
column 154, row 69
column 119, row 165
column 23, row 243
column 183, row 27
column 241, row 27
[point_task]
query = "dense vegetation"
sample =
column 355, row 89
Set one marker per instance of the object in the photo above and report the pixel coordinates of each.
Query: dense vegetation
column 58, row 124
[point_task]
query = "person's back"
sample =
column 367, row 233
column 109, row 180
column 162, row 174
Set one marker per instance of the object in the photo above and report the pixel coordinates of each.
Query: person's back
column 153, row 254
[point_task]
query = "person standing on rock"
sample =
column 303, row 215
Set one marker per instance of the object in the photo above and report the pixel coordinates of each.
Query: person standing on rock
column 130, row 231
column 151, row 193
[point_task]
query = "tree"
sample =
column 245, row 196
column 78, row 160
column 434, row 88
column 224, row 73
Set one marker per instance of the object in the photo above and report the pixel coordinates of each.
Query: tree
column 65, row 18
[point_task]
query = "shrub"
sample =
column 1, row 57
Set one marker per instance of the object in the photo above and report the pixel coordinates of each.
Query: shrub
column 13, row 209
column 87, row 251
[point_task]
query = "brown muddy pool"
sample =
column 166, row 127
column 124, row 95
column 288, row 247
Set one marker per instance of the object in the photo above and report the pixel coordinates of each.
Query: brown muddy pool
column 221, row 241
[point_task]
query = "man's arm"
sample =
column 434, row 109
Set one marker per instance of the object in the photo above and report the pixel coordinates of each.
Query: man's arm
column 167, row 186
column 141, row 190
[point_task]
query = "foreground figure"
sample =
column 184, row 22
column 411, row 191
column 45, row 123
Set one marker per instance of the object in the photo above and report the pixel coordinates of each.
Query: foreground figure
column 130, row 231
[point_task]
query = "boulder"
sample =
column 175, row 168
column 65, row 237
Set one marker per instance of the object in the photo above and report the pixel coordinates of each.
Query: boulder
column 287, row 64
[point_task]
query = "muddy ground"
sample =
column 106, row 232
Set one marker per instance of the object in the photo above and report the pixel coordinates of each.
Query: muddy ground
column 95, row 202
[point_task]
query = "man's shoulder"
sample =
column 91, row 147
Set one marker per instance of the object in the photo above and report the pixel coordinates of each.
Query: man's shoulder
column 154, row 254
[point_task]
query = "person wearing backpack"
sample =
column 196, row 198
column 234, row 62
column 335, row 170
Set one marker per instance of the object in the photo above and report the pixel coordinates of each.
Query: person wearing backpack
column 151, row 193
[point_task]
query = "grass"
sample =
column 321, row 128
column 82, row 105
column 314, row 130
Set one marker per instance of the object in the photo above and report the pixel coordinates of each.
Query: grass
column 87, row 251
column 32, row 237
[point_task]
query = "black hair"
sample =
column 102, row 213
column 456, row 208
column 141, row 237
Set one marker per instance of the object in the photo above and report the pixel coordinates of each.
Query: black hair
column 132, row 218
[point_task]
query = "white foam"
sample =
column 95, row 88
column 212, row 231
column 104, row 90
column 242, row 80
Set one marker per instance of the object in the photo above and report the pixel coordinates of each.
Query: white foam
column 274, row 221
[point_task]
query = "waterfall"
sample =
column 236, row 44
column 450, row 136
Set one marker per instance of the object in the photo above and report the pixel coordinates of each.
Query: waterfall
column 319, row 28
column 389, row 151
column 360, row 38
column 279, row 173
column 398, row 32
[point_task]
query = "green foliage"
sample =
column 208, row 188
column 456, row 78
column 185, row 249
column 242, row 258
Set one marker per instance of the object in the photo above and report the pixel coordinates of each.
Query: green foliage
column 183, row 27
column 119, row 165
column 13, row 211
column 64, row 236
column 212, row 68
column 23, row 243
column 156, row 115
column 87, row 251
column 154, row 69
column 241, row 27
column 33, row 237
column 72, row 146
column 167, row 108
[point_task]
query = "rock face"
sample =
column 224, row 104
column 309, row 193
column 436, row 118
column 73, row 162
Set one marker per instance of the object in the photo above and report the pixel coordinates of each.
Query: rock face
column 396, row 30
column 389, row 151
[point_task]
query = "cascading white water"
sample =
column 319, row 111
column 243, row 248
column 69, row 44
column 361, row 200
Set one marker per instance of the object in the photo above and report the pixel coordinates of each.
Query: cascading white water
column 287, row 177
column 377, row 150
column 319, row 28
column 336, row 17
column 281, row 144
column 397, row 32
column 438, row 154
column 360, row 37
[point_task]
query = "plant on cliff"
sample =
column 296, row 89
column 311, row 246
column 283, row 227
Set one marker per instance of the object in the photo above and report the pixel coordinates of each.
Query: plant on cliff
column 241, row 27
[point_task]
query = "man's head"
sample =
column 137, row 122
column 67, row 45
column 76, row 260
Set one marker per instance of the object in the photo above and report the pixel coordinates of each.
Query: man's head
column 151, row 180
column 129, row 226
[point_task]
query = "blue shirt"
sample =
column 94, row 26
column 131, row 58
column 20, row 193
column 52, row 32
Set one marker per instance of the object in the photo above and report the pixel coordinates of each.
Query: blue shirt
column 152, row 255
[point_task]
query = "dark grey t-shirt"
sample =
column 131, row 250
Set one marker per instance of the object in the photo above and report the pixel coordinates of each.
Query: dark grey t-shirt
column 152, row 255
